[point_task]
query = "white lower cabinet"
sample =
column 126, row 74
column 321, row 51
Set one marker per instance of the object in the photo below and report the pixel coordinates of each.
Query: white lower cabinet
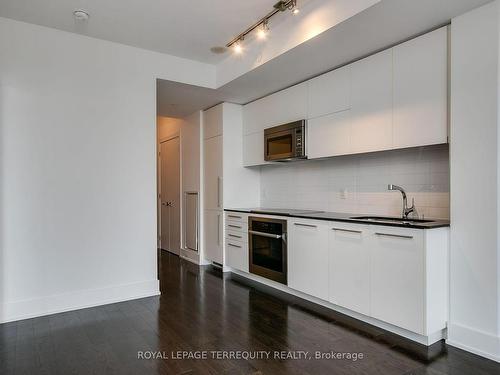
column 213, row 235
column 308, row 257
column 236, row 254
column 349, row 267
column 398, row 277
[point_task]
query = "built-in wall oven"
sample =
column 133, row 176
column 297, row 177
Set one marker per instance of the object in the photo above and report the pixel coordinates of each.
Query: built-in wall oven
column 268, row 248
column 285, row 142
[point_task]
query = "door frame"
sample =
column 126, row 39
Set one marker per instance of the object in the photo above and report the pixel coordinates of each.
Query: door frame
column 176, row 134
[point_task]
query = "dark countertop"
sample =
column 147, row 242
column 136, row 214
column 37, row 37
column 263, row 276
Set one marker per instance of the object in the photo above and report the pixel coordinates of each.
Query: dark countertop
column 343, row 217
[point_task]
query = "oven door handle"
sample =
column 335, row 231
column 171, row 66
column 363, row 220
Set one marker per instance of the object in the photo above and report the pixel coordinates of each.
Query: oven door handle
column 268, row 235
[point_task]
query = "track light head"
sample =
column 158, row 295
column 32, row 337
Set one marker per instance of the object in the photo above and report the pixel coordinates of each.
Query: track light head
column 263, row 30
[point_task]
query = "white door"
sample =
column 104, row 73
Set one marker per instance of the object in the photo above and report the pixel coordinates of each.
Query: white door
column 170, row 231
column 349, row 267
column 421, row 90
column 371, row 103
column 397, row 277
column 308, row 257
column 213, row 236
column 213, row 173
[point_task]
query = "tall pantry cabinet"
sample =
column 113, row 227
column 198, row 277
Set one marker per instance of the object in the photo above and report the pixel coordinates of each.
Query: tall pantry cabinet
column 226, row 183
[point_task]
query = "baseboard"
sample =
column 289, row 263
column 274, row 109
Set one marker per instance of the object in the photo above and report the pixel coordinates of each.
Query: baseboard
column 474, row 341
column 31, row 308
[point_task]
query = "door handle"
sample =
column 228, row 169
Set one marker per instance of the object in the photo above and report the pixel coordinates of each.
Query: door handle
column 218, row 229
column 218, row 191
column 347, row 230
column 268, row 235
column 393, row 235
column 305, row 225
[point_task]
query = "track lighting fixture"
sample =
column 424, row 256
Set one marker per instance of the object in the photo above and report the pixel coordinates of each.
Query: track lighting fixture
column 263, row 30
column 262, row 26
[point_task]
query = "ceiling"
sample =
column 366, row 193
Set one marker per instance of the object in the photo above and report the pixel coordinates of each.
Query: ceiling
column 380, row 26
column 176, row 27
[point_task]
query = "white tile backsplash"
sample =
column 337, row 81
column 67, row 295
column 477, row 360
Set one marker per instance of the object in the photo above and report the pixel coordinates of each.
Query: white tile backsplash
column 319, row 184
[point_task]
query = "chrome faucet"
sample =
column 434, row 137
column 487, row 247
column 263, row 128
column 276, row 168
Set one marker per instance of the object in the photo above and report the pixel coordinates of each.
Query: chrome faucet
column 406, row 210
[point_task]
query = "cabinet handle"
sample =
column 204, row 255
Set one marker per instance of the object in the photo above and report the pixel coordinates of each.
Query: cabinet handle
column 393, row 235
column 233, row 245
column 347, row 230
column 218, row 191
column 218, row 229
column 305, row 225
column 234, row 216
column 234, row 226
column 233, row 235
column 268, row 235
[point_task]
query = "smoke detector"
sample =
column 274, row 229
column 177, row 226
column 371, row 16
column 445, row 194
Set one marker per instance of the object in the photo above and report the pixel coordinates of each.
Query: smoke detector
column 81, row 15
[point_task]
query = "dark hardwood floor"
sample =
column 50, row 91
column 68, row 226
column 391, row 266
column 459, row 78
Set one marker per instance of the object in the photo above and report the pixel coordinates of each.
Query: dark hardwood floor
column 200, row 310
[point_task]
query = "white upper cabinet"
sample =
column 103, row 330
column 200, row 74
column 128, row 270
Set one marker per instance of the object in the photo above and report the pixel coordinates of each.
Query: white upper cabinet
column 253, row 149
column 329, row 93
column 308, row 257
column 329, row 135
column 276, row 109
column 371, row 103
column 421, row 90
column 212, row 122
column 397, row 277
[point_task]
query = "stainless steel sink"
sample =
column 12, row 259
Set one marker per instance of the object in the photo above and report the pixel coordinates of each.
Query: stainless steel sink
column 396, row 220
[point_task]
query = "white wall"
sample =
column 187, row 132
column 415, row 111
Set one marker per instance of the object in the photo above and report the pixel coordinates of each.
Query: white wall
column 319, row 184
column 78, row 199
column 474, row 254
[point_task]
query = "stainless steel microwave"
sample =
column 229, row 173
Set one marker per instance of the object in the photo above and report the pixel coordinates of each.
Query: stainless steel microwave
column 285, row 142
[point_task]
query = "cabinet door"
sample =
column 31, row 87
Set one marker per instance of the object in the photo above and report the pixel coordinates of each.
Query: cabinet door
column 213, row 235
column 349, row 267
column 329, row 93
column 421, row 90
column 397, row 277
column 276, row 109
column 213, row 173
column 253, row 149
column 308, row 257
column 236, row 254
column 329, row 135
column 212, row 122
column 371, row 103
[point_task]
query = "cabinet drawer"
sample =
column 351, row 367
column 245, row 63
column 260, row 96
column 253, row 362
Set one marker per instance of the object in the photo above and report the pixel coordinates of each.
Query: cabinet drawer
column 236, row 254
column 236, row 226
column 237, row 235
column 236, row 217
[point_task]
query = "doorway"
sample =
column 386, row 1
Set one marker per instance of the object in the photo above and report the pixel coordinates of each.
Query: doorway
column 169, row 235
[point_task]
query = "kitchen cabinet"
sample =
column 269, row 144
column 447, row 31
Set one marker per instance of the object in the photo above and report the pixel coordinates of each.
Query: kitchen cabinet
column 371, row 103
column 284, row 106
column 236, row 254
column 308, row 257
column 212, row 122
column 253, row 149
column 397, row 277
column 213, row 173
column 329, row 93
column 329, row 135
column 421, row 90
column 349, row 266
column 213, row 236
